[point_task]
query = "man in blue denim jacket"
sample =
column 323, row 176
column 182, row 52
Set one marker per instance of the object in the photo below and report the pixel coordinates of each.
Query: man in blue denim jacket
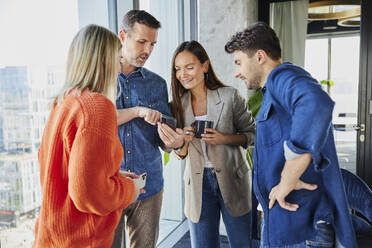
column 142, row 98
column 296, row 175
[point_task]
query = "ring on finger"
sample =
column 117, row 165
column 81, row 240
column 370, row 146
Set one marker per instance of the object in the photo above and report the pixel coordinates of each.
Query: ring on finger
column 187, row 132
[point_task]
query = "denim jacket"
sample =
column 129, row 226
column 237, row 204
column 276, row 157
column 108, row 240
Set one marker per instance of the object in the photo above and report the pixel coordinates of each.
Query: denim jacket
column 140, row 139
column 296, row 112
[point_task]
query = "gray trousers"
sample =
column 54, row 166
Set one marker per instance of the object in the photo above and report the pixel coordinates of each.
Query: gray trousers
column 141, row 223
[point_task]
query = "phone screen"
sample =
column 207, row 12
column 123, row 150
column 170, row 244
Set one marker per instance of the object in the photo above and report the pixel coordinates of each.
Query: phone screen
column 169, row 120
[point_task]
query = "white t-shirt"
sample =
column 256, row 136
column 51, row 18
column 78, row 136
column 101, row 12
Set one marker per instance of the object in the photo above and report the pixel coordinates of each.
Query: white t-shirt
column 208, row 163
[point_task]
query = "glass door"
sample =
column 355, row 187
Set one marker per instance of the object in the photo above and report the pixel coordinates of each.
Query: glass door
column 334, row 62
column 345, row 75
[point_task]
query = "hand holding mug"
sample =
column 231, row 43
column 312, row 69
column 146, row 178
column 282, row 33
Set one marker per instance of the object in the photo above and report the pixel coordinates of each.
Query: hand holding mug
column 200, row 127
column 213, row 137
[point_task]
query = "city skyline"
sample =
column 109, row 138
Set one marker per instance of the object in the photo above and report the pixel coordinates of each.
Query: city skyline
column 24, row 99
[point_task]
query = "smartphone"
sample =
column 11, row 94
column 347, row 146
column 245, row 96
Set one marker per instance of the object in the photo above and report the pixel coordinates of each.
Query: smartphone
column 141, row 180
column 169, row 120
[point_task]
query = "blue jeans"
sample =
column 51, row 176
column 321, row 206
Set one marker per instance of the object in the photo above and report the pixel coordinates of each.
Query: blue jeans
column 325, row 237
column 205, row 233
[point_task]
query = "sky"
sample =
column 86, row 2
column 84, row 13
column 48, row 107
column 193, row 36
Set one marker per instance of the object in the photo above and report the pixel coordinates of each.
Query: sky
column 37, row 31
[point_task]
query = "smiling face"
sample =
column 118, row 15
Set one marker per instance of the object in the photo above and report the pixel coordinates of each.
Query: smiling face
column 138, row 44
column 189, row 70
column 248, row 69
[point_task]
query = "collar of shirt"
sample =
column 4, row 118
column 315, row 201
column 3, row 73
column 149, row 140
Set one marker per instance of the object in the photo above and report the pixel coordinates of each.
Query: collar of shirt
column 263, row 90
column 139, row 71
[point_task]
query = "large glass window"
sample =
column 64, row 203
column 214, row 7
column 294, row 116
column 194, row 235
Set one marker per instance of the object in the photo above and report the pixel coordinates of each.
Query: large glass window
column 316, row 58
column 337, row 59
column 167, row 12
column 35, row 36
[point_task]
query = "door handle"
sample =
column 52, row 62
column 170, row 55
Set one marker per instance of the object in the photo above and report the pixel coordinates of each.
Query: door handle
column 349, row 127
column 361, row 127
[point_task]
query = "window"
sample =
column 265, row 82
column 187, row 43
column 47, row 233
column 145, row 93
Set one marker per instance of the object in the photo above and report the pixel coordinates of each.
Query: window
column 35, row 39
column 167, row 12
column 317, row 62
column 337, row 59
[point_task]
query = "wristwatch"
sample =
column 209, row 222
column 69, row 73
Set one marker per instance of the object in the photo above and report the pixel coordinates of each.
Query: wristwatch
column 179, row 148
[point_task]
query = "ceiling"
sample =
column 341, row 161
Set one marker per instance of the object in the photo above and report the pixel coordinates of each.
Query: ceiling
column 332, row 16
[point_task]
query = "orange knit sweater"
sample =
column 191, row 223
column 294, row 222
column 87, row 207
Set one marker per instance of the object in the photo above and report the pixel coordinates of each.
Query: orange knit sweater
column 80, row 156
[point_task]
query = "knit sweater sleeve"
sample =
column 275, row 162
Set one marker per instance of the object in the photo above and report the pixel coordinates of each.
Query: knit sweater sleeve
column 95, row 185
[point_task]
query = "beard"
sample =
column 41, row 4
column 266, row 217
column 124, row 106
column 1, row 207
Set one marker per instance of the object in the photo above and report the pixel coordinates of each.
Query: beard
column 253, row 83
column 136, row 60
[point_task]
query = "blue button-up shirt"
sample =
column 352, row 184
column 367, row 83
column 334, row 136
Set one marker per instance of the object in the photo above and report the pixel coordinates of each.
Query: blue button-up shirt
column 296, row 112
column 140, row 139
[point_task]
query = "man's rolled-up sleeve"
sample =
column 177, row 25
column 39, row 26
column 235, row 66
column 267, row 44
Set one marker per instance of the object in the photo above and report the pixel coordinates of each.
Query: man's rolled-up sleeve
column 311, row 114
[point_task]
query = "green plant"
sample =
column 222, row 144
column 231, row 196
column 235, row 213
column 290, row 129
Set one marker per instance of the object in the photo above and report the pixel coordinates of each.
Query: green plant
column 254, row 105
column 329, row 84
column 166, row 158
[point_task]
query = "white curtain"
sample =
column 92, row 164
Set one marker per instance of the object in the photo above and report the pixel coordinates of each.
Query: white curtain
column 289, row 20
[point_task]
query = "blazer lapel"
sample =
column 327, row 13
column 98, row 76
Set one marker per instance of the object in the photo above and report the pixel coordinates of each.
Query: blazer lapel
column 190, row 118
column 214, row 106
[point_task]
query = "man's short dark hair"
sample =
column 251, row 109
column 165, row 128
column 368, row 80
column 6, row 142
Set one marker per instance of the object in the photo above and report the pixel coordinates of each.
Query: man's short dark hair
column 258, row 36
column 139, row 16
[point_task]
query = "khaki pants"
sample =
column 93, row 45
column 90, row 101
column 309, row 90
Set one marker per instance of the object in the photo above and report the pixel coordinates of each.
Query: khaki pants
column 142, row 223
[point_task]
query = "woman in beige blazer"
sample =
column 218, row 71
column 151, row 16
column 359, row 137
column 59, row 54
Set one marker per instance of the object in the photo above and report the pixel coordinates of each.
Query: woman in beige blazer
column 217, row 179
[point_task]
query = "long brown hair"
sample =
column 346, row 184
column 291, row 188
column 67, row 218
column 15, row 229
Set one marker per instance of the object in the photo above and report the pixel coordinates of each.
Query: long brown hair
column 211, row 80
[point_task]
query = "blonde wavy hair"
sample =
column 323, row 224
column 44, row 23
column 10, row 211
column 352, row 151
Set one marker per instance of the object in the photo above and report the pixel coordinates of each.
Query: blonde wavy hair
column 92, row 63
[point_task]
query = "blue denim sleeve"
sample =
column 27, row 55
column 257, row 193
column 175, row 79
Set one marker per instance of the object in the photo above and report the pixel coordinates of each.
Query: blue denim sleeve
column 311, row 109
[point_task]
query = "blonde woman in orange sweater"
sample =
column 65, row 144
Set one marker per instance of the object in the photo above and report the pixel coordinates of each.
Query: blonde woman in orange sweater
column 80, row 154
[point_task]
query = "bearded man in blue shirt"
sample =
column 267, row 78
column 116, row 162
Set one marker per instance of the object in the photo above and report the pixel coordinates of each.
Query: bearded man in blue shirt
column 296, row 175
column 142, row 97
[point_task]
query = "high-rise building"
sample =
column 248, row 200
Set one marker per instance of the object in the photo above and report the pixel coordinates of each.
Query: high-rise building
column 2, row 147
column 20, row 191
column 15, row 114
column 25, row 93
column 13, row 82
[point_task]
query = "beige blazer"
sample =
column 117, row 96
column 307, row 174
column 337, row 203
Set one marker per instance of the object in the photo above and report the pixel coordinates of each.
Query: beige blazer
column 228, row 111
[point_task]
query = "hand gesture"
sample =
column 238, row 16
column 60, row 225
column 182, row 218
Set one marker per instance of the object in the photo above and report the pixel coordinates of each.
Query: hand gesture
column 171, row 139
column 149, row 115
column 213, row 137
column 188, row 134
column 130, row 175
column 137, row 191
column 280, row 192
